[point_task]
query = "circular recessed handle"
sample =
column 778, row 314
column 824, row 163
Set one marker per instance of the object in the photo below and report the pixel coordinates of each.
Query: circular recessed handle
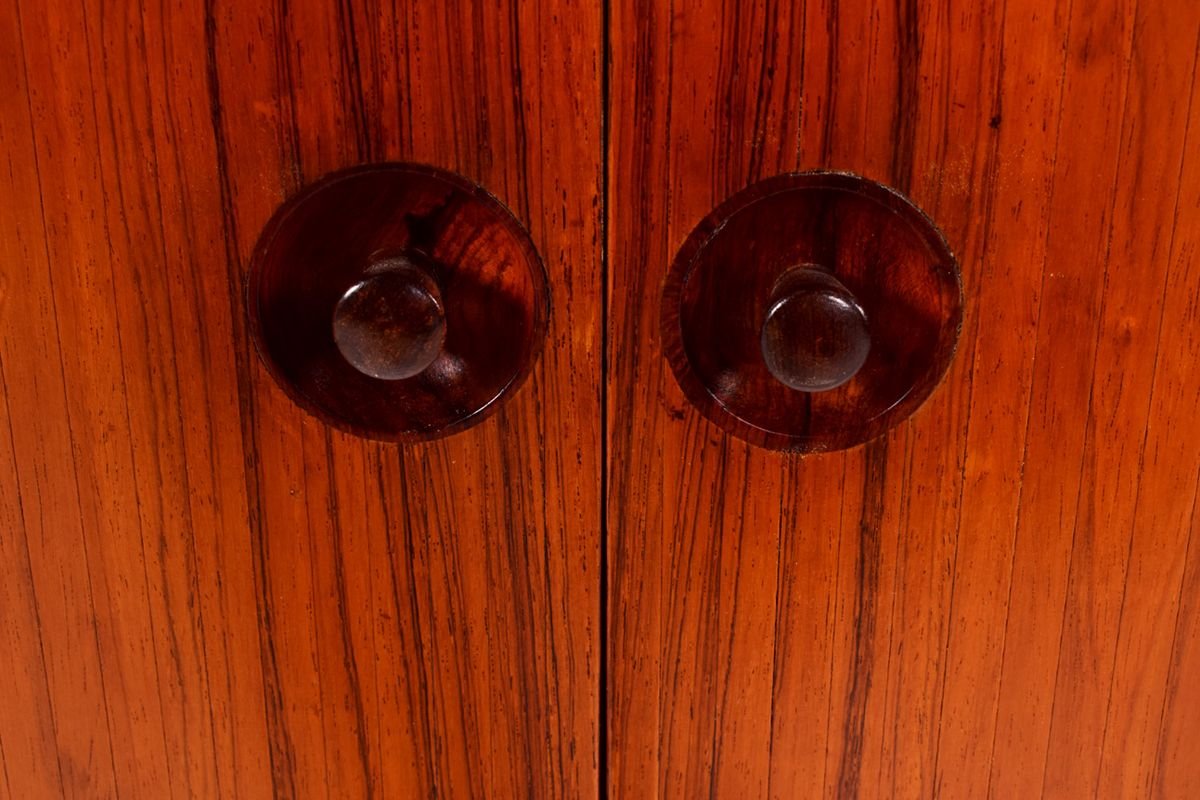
column 391, row 325
column 755, row 316
column 814, row 335
column 398, row 302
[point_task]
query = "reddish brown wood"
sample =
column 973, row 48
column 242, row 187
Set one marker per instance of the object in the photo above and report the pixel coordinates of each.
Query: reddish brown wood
column 720, row 289
column 207, row 592
column 325, row 321
column 204, row 591
column 997, row 597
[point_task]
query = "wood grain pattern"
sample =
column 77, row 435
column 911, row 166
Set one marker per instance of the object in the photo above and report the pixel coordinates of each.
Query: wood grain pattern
column 206, row 592
column 998, row 598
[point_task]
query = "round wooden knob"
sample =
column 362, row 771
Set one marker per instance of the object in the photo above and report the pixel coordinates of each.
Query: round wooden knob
column 814, row 334
column 399, row 302
column 758, row 320
column 391, row 325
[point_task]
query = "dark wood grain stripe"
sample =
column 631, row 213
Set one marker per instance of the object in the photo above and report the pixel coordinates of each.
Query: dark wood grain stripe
column 281, row 746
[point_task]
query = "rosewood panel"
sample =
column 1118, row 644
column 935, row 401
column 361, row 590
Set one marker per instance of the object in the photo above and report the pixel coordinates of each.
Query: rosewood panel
column 998, row 597
column 206, row 592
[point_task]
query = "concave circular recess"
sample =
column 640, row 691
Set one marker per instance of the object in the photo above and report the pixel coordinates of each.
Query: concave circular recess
column 877, row 244
column 340, row 264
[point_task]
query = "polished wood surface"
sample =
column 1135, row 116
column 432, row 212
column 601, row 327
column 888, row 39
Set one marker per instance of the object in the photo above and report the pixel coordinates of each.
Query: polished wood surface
column 206, row 592
column 1000, row 597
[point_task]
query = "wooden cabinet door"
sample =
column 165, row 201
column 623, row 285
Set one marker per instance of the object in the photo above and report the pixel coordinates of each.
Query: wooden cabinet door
column 204, row 591
column 1001, row 597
